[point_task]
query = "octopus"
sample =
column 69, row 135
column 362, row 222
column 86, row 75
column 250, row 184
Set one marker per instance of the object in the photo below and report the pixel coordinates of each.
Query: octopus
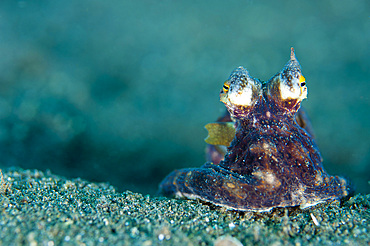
column 270, row 157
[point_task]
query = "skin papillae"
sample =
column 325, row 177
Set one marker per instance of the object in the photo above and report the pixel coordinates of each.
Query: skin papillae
column 271, row 161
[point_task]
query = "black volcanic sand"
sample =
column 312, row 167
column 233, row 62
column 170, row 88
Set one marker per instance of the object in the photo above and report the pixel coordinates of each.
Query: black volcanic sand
column 44, row 209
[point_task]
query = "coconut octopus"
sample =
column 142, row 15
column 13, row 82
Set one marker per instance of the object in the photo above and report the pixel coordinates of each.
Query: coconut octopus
column 271, row 159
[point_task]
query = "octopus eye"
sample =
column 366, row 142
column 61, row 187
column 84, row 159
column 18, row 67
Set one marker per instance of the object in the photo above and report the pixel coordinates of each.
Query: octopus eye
column 293, row 87
column 225, row 87
column 302, row 80
column 240, row 91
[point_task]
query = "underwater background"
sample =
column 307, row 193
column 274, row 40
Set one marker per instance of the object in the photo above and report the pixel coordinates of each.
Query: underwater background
column 120, row 91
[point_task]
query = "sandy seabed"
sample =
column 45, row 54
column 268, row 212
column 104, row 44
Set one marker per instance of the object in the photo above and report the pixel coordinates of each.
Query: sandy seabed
column 44, row 209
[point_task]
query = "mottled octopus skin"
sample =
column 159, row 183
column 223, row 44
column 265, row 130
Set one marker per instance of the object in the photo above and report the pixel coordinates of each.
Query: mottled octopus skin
column 216, row 153
column 271, row 162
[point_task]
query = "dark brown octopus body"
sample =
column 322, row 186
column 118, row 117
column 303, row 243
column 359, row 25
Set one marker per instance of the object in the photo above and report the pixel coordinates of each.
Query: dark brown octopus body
column 272, row 161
